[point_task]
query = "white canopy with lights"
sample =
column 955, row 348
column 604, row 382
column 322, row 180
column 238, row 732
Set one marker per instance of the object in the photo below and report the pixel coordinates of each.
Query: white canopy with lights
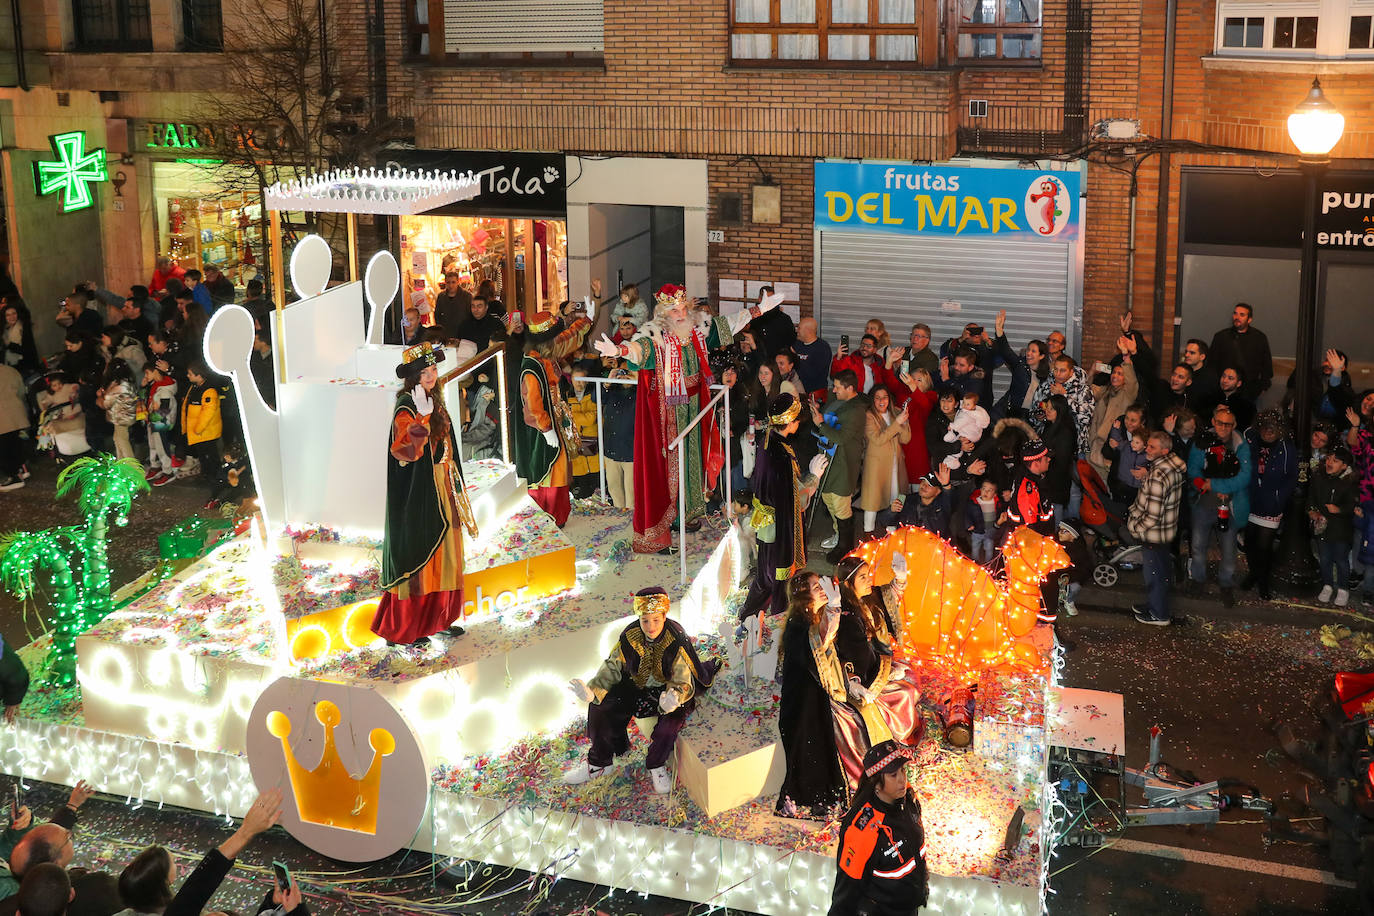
column 390, row 192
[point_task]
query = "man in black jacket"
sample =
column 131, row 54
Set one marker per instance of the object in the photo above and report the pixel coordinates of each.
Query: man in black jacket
column 1244, row 347
column 1206, row 377
column 480, row 327
column 452, row 304
column 773, row 330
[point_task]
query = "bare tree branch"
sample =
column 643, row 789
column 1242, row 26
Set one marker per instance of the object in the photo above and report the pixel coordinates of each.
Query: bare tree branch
column 285, row 111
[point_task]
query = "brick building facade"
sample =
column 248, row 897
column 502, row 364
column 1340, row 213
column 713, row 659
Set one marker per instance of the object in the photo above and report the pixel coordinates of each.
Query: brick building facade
column 618, row 84
column 665, row 84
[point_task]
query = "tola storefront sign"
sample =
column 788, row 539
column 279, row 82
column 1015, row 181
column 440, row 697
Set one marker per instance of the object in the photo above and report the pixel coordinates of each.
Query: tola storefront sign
column 1345, row 218
column 513, row 184
column 919, row 200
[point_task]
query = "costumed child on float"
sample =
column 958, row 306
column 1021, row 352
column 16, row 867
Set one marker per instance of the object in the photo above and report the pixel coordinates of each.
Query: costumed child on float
column 652, row 671
column 778, row 507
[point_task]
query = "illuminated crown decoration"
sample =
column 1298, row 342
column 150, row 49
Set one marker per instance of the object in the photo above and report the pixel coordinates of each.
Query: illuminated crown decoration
column 329, row 795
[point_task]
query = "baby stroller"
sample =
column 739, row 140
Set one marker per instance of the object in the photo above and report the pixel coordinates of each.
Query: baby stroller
column 1107, row 520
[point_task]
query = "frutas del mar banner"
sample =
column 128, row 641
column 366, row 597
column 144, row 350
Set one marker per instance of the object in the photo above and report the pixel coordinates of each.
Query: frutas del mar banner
column 905, row 199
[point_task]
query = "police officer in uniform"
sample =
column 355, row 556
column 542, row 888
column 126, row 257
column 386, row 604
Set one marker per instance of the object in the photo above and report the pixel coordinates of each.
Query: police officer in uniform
column 882, row 855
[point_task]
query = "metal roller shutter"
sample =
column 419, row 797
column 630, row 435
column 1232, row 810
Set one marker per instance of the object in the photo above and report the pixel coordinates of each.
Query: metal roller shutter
column 473, row 26
column 904, row 279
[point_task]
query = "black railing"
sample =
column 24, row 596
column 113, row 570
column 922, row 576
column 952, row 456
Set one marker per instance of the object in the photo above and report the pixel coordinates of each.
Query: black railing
column 1032, row 130
column 202, row 26
column 112, row 25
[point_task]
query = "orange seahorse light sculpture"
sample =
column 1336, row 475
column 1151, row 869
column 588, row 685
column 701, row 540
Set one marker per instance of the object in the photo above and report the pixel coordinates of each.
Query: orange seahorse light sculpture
column 958, row 618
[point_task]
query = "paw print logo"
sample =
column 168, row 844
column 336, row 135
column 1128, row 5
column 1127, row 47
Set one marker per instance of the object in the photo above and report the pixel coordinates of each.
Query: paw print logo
column 550, row 174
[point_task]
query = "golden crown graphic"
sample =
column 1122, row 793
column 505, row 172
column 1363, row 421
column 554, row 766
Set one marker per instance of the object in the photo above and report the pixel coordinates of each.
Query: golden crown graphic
column 329, row 794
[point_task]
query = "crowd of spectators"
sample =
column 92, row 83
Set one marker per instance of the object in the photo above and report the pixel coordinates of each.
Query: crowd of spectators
column 919, row 431
column 129, row 380
column 929, row 433
column 37, row 877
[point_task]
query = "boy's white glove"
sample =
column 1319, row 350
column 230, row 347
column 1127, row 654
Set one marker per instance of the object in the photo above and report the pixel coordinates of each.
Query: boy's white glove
column 551, row 437
column 898, row 565
column 818, row 465
column 668, row 701
column 580, row 690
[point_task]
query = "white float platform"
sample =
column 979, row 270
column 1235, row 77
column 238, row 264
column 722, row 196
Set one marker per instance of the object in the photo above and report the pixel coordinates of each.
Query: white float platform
column 636, row 858
column 170, row 729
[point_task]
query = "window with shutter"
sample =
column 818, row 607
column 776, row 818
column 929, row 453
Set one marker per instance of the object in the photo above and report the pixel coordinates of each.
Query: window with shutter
column 522, row 26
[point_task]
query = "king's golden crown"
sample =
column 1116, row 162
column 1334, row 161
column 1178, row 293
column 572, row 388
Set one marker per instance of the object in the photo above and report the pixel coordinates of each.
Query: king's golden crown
column 329, row 794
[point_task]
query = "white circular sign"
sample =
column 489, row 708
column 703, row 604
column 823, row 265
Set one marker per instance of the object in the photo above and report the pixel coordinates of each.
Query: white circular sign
column 349, row 766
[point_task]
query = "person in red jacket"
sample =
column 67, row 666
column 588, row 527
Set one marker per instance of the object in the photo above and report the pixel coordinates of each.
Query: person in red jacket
column 165, row 271
column 1030, row 506
column 867, row 364
column 917, row 394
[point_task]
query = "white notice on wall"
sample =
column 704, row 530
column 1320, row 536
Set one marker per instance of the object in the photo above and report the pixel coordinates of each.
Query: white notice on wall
column 792, row 311
column 754, row 286
column 791, row 292
column 731, row 289
column 730, row 306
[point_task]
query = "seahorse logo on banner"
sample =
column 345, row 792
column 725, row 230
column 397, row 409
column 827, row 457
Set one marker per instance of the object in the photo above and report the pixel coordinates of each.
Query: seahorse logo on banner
column 1047, row 205
column 356, row 787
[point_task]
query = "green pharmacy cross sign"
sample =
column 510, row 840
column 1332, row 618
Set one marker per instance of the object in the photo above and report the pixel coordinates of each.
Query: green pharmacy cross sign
column 73, row 173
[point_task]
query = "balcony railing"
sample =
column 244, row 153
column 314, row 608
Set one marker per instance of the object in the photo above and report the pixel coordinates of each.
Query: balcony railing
column 703, row 130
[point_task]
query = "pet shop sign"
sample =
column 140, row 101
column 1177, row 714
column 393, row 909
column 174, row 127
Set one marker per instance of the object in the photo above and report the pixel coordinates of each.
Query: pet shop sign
column 905, row 199
column 513, row 184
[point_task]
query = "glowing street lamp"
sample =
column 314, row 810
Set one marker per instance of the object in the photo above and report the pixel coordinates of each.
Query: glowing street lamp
column 1315, row 126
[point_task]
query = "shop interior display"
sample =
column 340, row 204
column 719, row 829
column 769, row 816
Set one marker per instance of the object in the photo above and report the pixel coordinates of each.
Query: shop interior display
column 223, row 232
column 482, row 248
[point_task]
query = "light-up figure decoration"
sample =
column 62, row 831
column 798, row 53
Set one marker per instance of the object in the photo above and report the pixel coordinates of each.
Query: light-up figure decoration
column 958, row 618
column 74, row 557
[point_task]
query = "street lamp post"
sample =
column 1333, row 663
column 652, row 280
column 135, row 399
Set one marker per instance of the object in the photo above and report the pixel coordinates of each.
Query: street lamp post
column 1315, row 127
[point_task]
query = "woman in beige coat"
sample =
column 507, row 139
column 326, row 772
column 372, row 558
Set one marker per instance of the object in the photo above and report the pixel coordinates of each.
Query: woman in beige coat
column 1110, row 402
column 884, row 474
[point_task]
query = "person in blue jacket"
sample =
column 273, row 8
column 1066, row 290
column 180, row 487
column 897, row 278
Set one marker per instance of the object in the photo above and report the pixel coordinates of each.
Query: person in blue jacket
column 1274, row 457
column 1220, row 471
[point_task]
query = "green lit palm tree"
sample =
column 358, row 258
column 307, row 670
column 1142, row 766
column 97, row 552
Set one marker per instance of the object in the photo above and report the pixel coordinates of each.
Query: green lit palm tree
column 25, row 554
column 75, row 558
column 105, row 485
